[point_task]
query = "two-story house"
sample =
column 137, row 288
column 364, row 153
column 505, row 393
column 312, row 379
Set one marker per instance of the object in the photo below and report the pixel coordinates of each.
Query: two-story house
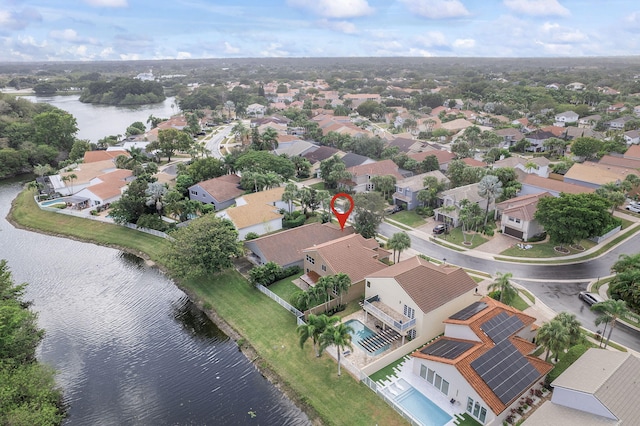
column 414, row 296
column 353, row 255
column 361, row 175
column 407, row 189
column 483, row 362
column 450, row 203
column 565, row 118
column 221, row 191
column 517, row 216
column 536, row 165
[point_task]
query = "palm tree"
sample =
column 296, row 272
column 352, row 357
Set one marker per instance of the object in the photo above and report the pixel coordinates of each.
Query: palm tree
column 553, row 336
column 490, row 188
column 302, row 299
column 530, row 166
column 270, row 139
column 603, row 318
column 626, row 262
column 315, row 326
column 507, row 291
column 399, row 242
column 614, row 309
column 341, row 284
column 155, row 193
column 70, row 178
column 290, row 194
column 323, row 286
column 42, row 169
column 339, row 336
column 572, row 325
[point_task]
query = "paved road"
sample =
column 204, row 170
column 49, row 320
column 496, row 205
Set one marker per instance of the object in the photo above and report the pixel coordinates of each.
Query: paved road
column 585, row 270
column 213, row 143
column 557, row 286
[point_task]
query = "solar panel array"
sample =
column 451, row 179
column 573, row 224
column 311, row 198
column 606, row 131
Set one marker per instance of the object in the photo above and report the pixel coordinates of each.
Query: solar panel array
column 506, row 371
column 469, row 311
column 501, row 326
column 445, row 348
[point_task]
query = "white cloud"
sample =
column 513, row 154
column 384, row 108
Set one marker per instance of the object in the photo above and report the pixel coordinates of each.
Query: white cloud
column 107, row 3
column 339, row 26
column 228, row 48
column 66, row 34
column 183, row 55
column 419, row 52
column 537, row 7
column 433, row 39
column 106, row 53
column 274, row 51
column 129, row 56
column 558, row 34
column 436, row 9
column 464, row 43
column 334, row 8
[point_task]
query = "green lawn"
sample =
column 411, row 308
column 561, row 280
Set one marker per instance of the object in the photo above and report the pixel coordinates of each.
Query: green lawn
column 409, row 218
column 271, row 330
column 519, row 303
column 388, row 371
column 546, row 249
column 320, row 186
column 455, row 237
column 285, row 287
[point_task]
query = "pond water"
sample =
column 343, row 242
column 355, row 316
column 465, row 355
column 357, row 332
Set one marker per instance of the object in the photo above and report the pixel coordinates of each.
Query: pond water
column 128, row 345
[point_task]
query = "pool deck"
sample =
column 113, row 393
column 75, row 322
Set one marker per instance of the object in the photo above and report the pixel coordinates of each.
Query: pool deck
column 359, row 357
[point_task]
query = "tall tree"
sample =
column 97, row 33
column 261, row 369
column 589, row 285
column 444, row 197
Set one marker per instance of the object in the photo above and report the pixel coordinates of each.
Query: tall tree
column 56, row 128
column 503, row 284
column 338, row 335
column 269, row 139
column 386, row 184
column 290, row 195
column 341, row 284
column 399, row 242
column 613, row 193
column 613, row 309
column 490, row 188
column 155, row 193
column 169, row 142
column 470, row 215
column 369, row 212
column 207, row 245
column 572, row 325
column 572, row 217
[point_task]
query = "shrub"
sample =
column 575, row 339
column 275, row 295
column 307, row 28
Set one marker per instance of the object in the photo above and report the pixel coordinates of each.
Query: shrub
column 271, row 272
column 424, row 211
column 293, row 219
column 251, row 236
column 538, row 237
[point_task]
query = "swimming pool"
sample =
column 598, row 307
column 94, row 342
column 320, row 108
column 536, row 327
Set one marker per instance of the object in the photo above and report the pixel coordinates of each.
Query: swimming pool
column 361, row 332
column 416, row 404
column 52, row 202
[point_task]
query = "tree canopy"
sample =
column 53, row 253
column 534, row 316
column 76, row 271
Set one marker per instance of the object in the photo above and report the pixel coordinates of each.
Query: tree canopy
column 570, row 218
column 206, row 246
column 123, row 91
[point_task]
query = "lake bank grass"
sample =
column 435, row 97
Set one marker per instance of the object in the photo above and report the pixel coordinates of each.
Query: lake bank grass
column 269, row 329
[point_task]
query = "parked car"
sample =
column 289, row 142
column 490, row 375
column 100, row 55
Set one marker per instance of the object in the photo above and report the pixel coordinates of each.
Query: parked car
column 633, row 208
column 590, row 298
column 440, row 229
column 393, row 209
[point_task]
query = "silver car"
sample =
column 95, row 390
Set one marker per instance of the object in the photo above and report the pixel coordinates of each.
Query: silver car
column 590, row 298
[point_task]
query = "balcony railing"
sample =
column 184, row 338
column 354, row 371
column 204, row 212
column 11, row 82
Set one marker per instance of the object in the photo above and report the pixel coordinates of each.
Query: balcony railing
column 400, row 326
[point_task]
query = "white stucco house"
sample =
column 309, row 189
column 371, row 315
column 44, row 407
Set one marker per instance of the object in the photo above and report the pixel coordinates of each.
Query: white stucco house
column 483, row 362
column 258, row 212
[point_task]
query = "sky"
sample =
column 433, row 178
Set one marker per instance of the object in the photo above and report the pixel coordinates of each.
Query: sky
column 88, row 30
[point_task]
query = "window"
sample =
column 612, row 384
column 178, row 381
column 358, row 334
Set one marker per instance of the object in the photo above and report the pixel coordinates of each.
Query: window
column 445, row 387
column 311, row 260
column 514, row 219
column 469, row 405
column 476, row 410
column 438, row 381
column 409, row 312
column 430, row 375
column 483, row 414
column 412, row 334
column 369, row 284
column 324, row 268
column 423, row 371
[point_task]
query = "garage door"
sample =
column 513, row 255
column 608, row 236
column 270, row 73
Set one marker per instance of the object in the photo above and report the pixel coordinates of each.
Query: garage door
column 513, row 232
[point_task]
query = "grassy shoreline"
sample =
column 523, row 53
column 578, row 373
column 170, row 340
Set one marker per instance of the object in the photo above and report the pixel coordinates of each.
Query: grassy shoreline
column 265, row 333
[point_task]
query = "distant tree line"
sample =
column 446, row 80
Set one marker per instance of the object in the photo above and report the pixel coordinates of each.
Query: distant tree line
column 123, row 91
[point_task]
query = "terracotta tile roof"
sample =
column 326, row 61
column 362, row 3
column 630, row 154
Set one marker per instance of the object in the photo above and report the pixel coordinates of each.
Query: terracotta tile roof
column 597, row 174
column 557, row 131
column 555, row 185
column 620, row 162
column 286, row 247
column 457, row 124
column 463, row 362
column 353, row 255
column 379, row 168
column 87, row 171
column 523, row 207
column 474, row 163
column 633, row 152
column 223, row 188
column 429, row 285
column 111, row 184
column 93, row 156
column 443, row 156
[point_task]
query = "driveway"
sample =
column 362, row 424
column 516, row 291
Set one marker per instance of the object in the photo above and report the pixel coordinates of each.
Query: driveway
column 497, row 244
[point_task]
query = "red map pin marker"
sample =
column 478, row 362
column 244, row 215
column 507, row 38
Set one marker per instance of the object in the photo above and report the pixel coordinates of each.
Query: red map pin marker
column 342, row 217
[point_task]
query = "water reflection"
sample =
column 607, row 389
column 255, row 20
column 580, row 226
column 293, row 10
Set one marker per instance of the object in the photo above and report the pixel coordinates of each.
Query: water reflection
column 195, row 322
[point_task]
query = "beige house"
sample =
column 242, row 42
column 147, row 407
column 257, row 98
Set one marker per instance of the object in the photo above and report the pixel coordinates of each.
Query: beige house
column 353, row 255
column 451, row 199
column 258, row 212
column 414, row 296
column 517, row 216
